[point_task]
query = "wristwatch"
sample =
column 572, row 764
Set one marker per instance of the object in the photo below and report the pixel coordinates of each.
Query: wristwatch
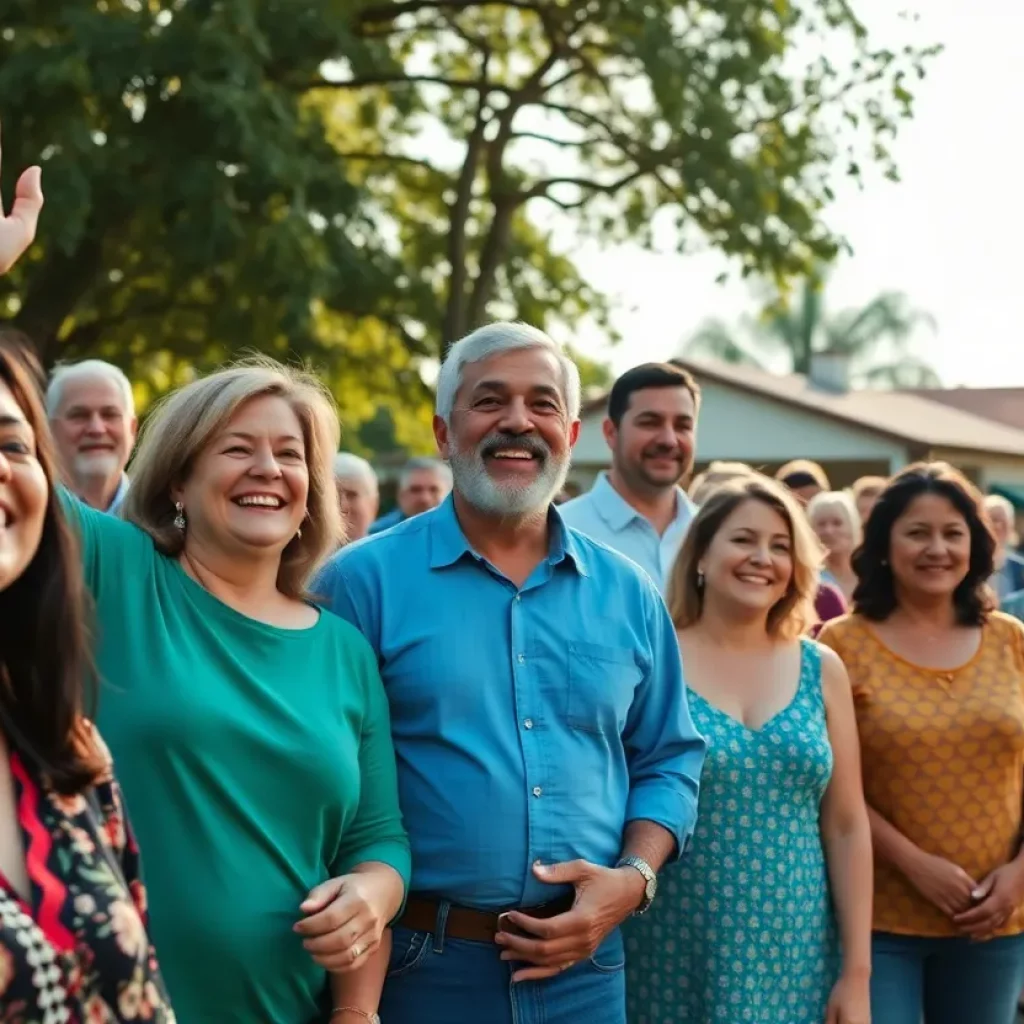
column 651, row 889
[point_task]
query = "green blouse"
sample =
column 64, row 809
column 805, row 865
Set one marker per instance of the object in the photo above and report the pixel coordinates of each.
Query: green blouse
column 256, row 762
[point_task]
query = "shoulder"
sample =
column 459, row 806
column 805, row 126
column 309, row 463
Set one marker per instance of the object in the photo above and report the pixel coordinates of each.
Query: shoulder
column 833, row 677
column 839, row 631
column 344, row 643
column 379, row 550
column 579, row 508
column 605, row 562
column 1003, row 628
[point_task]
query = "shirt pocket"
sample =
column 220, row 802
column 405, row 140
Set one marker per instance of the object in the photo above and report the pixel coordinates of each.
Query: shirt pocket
column 602, row 684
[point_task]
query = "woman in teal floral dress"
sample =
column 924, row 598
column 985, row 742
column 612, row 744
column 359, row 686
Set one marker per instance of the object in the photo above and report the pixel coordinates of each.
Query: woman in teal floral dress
column 767, row 918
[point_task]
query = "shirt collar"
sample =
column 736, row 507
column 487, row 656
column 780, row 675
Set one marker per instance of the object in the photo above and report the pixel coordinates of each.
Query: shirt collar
column 618, row 513
column 120, row 494
column 448, row 543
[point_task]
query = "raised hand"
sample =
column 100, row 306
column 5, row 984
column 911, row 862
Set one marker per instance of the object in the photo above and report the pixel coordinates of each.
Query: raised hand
column 18, row 228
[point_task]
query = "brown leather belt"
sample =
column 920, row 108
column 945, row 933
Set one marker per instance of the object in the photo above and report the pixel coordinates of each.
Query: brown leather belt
column 421, row 915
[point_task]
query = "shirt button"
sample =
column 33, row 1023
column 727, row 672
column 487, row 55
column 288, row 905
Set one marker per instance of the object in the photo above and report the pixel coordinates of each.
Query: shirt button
column 522, row 658
column 519, row 597
column 537, row 791
column 528, row 723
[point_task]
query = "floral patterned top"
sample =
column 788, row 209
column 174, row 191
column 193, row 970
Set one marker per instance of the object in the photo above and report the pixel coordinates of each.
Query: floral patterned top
column 79, row 954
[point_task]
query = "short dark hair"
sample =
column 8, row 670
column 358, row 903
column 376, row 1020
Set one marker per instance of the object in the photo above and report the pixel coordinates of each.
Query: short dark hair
column 875, row 595
column 49, row 680
column 649, row 375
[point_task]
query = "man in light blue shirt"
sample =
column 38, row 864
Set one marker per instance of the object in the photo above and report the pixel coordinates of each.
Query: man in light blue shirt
column 92, row 415
column 545, row 748
column 638, row 507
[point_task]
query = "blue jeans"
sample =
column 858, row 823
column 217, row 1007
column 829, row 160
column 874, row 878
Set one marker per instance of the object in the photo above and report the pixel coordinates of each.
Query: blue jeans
column 434, row 979
column 945, row 981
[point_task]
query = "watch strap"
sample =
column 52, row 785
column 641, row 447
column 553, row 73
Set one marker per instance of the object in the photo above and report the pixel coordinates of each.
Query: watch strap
column 650, row 877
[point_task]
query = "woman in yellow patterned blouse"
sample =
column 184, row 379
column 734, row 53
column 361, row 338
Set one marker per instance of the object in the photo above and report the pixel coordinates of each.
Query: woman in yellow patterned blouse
column 938, row 680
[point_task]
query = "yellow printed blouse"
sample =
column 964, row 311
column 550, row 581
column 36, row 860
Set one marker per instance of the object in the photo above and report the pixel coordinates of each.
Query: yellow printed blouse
column 943, row 759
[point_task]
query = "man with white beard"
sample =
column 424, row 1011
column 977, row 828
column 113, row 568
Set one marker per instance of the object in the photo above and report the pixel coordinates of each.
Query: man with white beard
column 547, row 763
column 92, row 413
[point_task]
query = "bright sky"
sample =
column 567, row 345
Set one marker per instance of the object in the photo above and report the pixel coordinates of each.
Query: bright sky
column 949, row 235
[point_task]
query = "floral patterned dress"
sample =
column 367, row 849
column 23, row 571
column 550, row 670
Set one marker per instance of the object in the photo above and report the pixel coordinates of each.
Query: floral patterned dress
column 743, row 930
column 79, row 954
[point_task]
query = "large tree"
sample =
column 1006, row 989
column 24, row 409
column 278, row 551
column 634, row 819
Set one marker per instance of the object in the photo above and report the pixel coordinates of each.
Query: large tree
column 790, row 330
column 357, row 183
column 611, row 112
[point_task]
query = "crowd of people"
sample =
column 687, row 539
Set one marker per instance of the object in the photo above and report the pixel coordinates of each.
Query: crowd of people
column 748, row 753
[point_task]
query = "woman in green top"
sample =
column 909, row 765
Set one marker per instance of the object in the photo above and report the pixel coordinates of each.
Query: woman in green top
column 250, row 729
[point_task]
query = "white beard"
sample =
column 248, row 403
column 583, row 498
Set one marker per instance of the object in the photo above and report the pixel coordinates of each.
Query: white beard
column 93, row 465
column 511, row 500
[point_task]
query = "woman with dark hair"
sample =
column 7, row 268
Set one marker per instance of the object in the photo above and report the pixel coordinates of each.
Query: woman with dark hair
column 938, row 683
column 73, row 943
column 767, row 918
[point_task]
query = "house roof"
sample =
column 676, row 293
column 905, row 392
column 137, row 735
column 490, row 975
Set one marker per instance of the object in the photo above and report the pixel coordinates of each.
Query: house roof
column 900, row 415
column 1005, row 405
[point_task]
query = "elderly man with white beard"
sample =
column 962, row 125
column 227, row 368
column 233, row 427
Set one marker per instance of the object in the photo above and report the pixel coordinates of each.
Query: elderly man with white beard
column 548, row 766
column 92, row 414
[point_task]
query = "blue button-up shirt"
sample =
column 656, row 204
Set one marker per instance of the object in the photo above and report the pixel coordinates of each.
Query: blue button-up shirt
column 605, row 515
column 530, row 723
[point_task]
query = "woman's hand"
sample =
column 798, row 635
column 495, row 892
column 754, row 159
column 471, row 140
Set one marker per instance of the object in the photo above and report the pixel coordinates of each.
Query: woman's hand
column 347, row 916
column 995, row 900
column 850, row 1002
column 942, row 883
column 18, row 228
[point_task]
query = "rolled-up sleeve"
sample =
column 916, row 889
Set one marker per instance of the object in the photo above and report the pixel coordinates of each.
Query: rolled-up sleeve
column 664, row 750
column 377, row 832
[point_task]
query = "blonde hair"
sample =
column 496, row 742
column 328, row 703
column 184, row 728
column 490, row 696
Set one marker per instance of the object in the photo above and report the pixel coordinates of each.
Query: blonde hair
column 718, row 472
column 186, row 421
column 842, row 501
column 794, row 613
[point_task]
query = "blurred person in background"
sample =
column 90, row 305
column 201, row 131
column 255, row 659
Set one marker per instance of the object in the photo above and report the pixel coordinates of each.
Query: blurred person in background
column 92, row 415
column 358, row 495
column 804, row 478
column 638, row 507
column 833, row 515
column 866, row 490
column 704, row 483
column 768, row 917
column 1008, row 578
column 938, row 684
column 423, row 484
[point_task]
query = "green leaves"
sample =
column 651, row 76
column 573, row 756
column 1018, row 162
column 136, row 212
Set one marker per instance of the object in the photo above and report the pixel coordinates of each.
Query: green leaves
column 358, row 183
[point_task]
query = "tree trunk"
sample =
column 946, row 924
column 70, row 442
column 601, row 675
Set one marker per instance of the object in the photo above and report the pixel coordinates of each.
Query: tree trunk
column 454, row 325
column 491, row 257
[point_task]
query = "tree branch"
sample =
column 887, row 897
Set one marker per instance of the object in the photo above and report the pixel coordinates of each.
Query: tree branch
column 541, row 137
column 390, row 12
column 541, row 189
column 392, row 158
column 365, row 81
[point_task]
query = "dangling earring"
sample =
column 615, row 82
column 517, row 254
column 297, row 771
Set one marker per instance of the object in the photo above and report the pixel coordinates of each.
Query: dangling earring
column 179, row 519
column 700, row 580
column 298, row 533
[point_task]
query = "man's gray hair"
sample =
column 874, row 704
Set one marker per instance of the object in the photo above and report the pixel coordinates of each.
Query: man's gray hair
column 424, row 462
column 348, row 466
column 490, row 341
column 65, row 372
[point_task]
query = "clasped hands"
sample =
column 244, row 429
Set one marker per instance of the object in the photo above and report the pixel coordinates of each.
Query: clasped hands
column 605, row 897
column 978, row 909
